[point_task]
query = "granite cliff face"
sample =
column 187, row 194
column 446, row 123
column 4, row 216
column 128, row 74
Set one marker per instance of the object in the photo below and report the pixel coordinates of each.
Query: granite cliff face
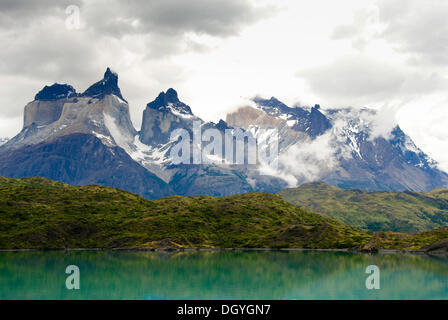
column 164, row 115
column 79, row 139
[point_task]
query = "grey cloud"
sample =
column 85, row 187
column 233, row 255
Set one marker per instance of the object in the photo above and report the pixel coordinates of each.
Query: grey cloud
column 362, row 19
column 38, row 44
column 47, row 55
column 354, row 77
column 345, row 31
column 360, row 80
column 171, row 17
column 20, row 14
column 166, row 24
column 416, row 28
column 421, row 30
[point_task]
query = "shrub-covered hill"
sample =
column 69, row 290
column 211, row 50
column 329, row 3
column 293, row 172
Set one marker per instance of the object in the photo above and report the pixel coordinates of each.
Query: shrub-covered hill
column 39, row 213
column 375, row 211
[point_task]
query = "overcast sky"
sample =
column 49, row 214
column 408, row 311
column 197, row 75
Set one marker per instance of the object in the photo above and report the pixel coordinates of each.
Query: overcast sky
column 389, row 54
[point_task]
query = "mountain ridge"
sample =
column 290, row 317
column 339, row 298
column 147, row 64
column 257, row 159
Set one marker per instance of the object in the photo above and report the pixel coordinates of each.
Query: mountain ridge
column 328, row 145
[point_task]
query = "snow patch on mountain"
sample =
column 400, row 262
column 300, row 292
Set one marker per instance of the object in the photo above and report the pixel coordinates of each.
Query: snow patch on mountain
column 105, row 139
column 180, row 112
column 120, row 137
column 145, row 154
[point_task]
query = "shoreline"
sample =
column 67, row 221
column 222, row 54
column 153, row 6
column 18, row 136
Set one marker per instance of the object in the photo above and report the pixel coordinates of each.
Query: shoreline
column 381, row 251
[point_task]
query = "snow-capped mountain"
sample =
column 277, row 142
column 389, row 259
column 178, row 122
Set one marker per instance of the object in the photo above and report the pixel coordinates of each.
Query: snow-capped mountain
column 88, row 138
column 342, row 149
column 166, row 114
column 312, row 122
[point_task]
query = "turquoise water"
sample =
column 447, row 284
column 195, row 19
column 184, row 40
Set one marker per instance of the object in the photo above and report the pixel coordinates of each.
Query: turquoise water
column 221, row 275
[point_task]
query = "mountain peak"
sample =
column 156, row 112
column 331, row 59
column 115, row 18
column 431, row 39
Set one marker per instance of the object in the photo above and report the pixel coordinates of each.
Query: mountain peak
column 109, row 73
column 272, row 106
column 222, row 125
column 169, row 101
column 163, row 115
column 164, row 98
column 108, row 85
column 171, row 96
column 55, row 92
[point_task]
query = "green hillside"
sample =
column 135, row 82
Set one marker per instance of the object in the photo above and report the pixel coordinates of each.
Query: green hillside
column 39, row 213
column 375, row 211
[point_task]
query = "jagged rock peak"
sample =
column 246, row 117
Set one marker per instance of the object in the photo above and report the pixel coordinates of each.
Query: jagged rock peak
column 171, row 96
column 222, row 125
column 55, row 92
column 272, row 105
column 162, row 100
column 169, row 101
column 108, row 85
column 273, row 101
column 110, row 74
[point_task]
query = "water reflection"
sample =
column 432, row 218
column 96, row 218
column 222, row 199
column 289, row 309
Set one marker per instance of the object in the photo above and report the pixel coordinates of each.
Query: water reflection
column 221, row 275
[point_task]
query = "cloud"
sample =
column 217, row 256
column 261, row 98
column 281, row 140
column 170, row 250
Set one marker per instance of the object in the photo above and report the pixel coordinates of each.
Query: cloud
column 376, row 122
column 306, row 161
column 39, row 43
column 21, row 14
column 116, row 18
column 354, row 79
column 344, row 31
column 169, row 27
column 172, row 17
column 429, row 131
column 360, row 80
column 366, row 26
column 418, row 29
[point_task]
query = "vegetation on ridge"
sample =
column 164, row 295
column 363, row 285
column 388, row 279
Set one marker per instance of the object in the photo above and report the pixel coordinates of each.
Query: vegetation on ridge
column 375, row 211
column 39, row 213
column 36, row 213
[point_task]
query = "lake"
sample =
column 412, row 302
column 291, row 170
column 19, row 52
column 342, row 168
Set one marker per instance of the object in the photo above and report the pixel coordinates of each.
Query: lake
column 221, row 275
